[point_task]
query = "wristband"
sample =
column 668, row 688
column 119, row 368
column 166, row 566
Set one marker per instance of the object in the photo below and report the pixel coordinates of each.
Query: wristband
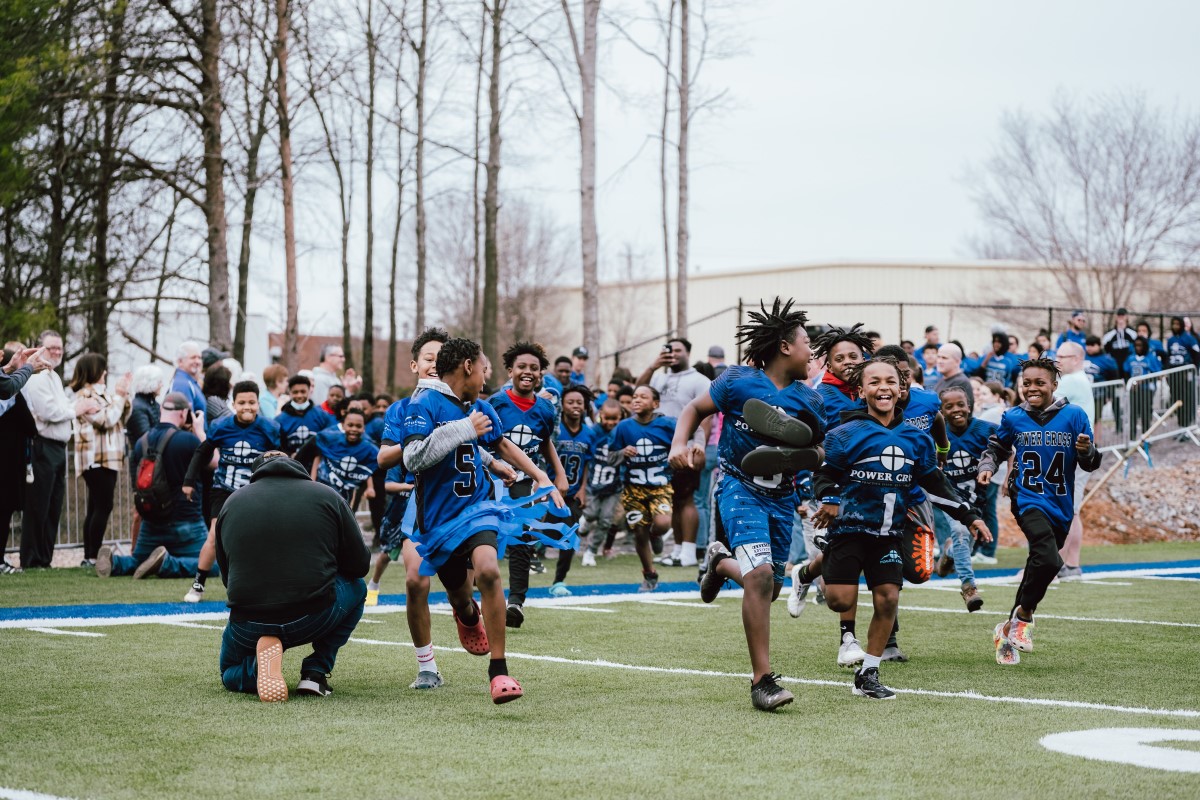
column 940, row 449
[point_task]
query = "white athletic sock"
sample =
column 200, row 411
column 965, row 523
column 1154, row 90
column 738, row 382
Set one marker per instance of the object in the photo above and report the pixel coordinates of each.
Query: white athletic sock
column 871, row 661
column 677, row 551
column 688, row 554
column 372, row 586
column 425, row 660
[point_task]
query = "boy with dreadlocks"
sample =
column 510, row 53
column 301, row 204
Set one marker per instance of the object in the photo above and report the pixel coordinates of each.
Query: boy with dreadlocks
column 766, row 405
column 1049, row 437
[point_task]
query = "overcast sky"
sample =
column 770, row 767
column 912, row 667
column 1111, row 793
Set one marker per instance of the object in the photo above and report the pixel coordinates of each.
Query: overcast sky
column 850, row 125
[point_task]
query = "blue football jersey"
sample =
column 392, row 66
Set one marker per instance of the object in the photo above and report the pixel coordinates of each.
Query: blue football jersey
column 374, row 429
column 457, row 482
column 574, row 450
column 835, row 403
column 730, row 392
column 648, row 466
column 1043, row 472
column 299, row 429
column 1136, row 366
column 239, row 446
column 877, row 469
column 344, row 466
column 393, row 421
column 966, row 448
column 921, row 409
column 603, row 478
column 526, row 429
column 1003, row 369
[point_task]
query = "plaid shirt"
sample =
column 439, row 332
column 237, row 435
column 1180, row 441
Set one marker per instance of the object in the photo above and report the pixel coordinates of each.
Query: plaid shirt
column 100, row 437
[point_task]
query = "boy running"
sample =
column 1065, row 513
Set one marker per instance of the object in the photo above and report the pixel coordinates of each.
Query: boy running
column 299, row 419
column 1047, row 438
column 574, row 446
column 343, row 459
column 604, row 485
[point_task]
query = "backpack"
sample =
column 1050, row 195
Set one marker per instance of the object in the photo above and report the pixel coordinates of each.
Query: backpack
column 153, row 496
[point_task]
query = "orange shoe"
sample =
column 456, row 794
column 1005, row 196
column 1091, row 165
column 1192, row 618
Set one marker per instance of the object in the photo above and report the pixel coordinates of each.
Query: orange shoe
column 473, row 637
column 505, row 689
column 272, row 688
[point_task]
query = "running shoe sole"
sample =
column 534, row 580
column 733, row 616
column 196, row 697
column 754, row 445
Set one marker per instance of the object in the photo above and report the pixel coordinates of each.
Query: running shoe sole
column 772, row 423
column 514, row 616
column 764, row 462
column 268, row 653
column 104, row 562
column 150, row 566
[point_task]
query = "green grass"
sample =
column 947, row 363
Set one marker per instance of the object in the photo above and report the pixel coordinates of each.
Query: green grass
column 140, row 712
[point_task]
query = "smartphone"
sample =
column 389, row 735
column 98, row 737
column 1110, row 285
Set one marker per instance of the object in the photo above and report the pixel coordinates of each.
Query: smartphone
column 666, row 348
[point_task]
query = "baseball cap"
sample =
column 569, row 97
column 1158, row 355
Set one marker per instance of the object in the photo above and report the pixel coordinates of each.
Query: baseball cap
column 175, row 401
column 1122, row 312
column 716, row 351
column 930, row 328
column 580, row 352
column 1077, row 313
column 211, row 355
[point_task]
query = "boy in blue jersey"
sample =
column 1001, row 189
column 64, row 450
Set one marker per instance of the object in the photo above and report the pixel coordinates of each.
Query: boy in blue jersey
column 755, row 513
column 1001, row 364
column 530, row 422
column 343, row 459
column 1047, row 438
column 443, row 431
column 1183, row 349
column 604, row 484
column 865, row 487
column 574, row 447
column 240, row 438
column 968, row 439
column 641, row 446
column 300, row 419
column 1141, row 399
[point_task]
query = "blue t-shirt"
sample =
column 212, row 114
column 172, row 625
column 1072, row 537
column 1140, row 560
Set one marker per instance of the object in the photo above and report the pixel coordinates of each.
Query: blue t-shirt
column 526, row 429
column 729, row 394
column 1069, row 335
column 239, row 446
column 603, row 478
column 299, row 429
column 835, row 402
column 457, row 482
column 652, row 441
column 1043, row 473
column 574, row 450
column 1002, row 369
column 1137, row 366
column 877, row 469
column 184, row 382
column 1182, row 350
column 344, row 466
column 966, row 448
column 1101, row 368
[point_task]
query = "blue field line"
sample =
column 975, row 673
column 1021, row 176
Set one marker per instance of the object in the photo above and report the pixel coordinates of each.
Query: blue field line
column 104, row 610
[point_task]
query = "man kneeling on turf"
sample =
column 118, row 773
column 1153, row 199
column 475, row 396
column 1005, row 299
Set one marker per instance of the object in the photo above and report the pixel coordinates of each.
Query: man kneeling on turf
column 292, row 559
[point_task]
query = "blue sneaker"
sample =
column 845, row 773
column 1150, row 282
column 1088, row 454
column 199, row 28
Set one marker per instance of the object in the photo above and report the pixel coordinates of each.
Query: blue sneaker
column 560, row 590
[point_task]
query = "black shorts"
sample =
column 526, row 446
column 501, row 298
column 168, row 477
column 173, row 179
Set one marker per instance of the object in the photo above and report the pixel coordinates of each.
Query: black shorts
column 852, row 554
column 684, row 483
column 454, row 572
column 217, row 502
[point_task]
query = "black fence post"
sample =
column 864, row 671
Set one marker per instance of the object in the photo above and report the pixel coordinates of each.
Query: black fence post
column 1050, row 323
column 739, row 324
column 901, row 339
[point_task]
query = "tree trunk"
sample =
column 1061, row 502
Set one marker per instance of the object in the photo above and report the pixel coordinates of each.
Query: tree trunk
column 477, row 252
column 662, row 163
column 97, row 340
column 392, row 332
column 367, row 368
column 291, row 334
column 422, row 62
column 681, row 238
column 587, row 181
column 211, row 109
column 491, row 199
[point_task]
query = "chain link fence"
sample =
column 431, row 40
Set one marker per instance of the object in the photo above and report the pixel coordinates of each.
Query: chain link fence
column 70, row 526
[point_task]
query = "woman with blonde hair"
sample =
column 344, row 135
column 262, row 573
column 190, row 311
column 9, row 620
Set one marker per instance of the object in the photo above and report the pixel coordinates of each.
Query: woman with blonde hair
column 99, row 446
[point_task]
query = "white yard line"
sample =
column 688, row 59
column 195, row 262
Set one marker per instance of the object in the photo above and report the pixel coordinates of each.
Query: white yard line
column 681, row 604
column 968, row 695
column 22, row 794
column 58, row 632
column 1120, row 620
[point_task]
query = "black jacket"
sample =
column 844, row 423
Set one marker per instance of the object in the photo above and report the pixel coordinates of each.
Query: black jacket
column 280, row 542
column 144, row 414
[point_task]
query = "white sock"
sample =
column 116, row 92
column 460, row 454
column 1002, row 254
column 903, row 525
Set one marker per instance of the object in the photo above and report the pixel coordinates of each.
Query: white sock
column 871, row 661
column 677, row 551
column 688, row 554
column 425, row 660
column 372, row 586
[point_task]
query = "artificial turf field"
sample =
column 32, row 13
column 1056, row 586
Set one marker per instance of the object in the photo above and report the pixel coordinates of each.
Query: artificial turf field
column 637, row 697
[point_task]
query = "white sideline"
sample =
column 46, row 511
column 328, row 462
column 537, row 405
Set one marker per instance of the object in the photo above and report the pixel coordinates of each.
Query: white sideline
column 22, row 794
column 969, row 695
column 58, row 632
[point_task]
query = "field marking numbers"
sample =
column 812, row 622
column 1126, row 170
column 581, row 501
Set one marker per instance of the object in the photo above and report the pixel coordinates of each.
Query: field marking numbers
column 968, row 695
column 1134, row 746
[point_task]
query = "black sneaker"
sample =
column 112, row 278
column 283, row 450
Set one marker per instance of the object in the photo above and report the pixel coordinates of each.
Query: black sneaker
column 711, row 583
column 314, row 684
column 821, row 542
column 763, row 462
column 536, row 567
column 8, row 569
column 514, row 616
column 767, row 695
column 649, row 582
column 866, row 684
column 772, row 423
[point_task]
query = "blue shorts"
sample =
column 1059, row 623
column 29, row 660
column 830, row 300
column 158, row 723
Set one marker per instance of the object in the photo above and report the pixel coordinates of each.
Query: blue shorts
column 758, row 528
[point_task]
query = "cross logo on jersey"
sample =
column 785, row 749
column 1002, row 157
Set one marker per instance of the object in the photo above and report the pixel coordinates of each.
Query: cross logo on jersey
column 243, row 450
column 644, row 447
column 961, row 459
column 893, row 458
column 302, row 432
column 522, row 436
column 348, row 464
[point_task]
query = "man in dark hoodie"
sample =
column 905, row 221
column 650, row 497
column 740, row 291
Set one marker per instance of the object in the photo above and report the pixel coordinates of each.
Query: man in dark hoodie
column 292, row 559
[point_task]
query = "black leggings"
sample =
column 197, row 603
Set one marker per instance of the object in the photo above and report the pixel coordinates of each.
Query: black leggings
column 1043, row 564
column 101, row 486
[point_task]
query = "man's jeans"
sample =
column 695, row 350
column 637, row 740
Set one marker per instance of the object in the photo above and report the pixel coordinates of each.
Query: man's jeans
column 183, row 541
column 953, row 535
column 705, row 500
column 328, row 630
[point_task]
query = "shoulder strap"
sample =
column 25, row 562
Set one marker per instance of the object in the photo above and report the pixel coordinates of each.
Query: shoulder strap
column 162, row 443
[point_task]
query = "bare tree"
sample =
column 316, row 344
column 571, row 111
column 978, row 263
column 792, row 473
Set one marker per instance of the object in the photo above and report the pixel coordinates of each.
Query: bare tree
column 669, row 37
column 368, row 344
column 681, row 150
column 1100, row 190
column 491, row 198
column 291, row 342
column 212, row 109
column 421, row 49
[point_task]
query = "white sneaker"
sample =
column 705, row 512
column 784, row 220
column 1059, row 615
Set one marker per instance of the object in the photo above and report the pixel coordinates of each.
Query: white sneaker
column 796, row 600
column 980, row 558
column 195, row 594
column 850, row 653
column 589, row 558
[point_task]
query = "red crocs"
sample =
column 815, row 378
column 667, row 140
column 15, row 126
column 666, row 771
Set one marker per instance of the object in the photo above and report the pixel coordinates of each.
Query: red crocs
column 473, row 637
column 505, row 689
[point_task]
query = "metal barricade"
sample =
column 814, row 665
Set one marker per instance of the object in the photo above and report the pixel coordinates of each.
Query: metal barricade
column 1111, row 407
column 1151, row 395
